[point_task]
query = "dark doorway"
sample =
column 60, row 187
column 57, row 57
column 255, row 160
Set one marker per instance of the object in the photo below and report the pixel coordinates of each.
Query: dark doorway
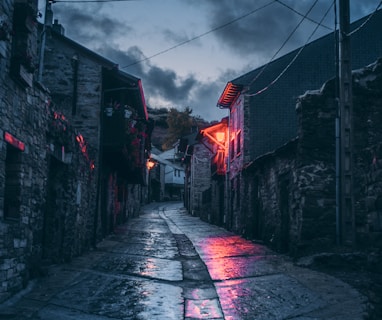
column 257, row 213
column 12, row 188
column 54, row 216
column 284, row 214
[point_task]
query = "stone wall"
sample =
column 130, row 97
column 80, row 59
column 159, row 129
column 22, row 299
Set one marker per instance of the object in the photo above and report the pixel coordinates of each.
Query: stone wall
column 315, row 194
column 200, row 182
column 67, row 68
column 23, row 114
column 367, row 92
column 48, row 185
column 268, row 210
column 74, row 78
column 289, row 195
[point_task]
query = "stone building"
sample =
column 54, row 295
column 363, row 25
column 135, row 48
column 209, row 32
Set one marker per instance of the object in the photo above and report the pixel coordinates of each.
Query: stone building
column 24, row 117
column 264, row 134
column 197, row 163
column 292, row 190
column 71, row 169
column 107, row 109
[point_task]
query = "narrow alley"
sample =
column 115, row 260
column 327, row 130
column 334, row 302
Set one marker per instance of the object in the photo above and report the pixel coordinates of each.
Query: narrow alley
column 167, row 264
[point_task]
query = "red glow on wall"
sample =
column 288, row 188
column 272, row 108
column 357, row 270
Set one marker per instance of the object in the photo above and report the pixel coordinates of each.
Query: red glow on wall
column 218, row 137
column 220, row 162
column 13, row 141
column 83, row 147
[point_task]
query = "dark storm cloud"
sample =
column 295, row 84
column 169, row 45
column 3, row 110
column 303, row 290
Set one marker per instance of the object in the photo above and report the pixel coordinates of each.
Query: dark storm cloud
column 127, row 60
column 258, row 33
column 167, row 84
column 263, row 32
column 88, row 26
column 163, row 83
column 253, row 39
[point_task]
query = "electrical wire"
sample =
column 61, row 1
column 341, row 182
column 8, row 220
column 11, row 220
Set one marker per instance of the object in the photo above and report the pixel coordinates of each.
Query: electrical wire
column 366, row 21
column 85, row 1
column 302, row 15
column 284, row 43
column 200, row 35
column 294, row 58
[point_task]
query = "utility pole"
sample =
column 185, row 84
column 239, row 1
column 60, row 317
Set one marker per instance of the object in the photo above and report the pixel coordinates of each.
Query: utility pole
column 347, row 217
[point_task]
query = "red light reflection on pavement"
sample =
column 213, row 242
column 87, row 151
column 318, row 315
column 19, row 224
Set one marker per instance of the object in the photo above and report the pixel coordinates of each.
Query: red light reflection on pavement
column 235, row 263
column 232, row 257
column 230, row 246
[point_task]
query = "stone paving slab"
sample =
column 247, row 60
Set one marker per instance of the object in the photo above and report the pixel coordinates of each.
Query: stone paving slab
column 168, row 265
column 268, row 297
column 241, row 267
column 151, row 267
column 203, row 309
column 267, row 285
column 121, row 298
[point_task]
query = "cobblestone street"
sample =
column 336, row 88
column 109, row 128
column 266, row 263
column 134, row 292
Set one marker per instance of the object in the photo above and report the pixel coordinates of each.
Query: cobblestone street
column 167, row 264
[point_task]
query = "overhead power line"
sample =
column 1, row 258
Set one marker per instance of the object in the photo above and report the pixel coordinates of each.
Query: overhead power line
column 85, row 1
column 201, row 35
column 294, row 58
column 284, row 43
column 366, row 21
column 302, row 15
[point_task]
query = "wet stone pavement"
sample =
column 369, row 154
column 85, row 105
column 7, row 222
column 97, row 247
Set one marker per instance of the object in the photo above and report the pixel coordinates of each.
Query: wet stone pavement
column 166, row 264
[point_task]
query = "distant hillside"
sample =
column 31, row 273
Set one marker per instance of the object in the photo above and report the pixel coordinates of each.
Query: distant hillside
column 160, row 129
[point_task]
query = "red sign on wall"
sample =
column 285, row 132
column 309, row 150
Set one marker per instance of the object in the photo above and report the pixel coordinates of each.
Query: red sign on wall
column 13, row 141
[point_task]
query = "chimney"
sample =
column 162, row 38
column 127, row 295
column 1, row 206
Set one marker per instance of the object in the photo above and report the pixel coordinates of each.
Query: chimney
column 57, row 27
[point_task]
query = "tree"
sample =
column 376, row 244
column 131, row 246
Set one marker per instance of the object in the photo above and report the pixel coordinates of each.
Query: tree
column 179, row 124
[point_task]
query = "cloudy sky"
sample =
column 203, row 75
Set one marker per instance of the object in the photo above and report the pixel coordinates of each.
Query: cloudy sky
column 185, row 51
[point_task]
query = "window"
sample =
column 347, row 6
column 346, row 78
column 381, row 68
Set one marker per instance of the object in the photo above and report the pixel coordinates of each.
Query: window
column 23, row 62
column 238, row 143
column 232, row 149
column 12, row 190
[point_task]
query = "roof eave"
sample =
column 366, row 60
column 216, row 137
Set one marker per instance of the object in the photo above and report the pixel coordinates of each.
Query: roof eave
column 229, row 95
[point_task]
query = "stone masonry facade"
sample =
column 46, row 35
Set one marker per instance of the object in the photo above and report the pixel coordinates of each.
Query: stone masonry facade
column 50, row 173
column 200, row 188
column 289, row 196
column 46, row 204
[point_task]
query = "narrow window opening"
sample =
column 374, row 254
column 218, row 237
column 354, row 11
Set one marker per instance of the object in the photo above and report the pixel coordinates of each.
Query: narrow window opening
column 238, row 145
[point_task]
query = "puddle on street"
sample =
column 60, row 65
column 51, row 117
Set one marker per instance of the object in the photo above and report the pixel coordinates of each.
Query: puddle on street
column 118, row 298
column 233, row 257
column 203, row 309
column 231, row 246
column 149, row 267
